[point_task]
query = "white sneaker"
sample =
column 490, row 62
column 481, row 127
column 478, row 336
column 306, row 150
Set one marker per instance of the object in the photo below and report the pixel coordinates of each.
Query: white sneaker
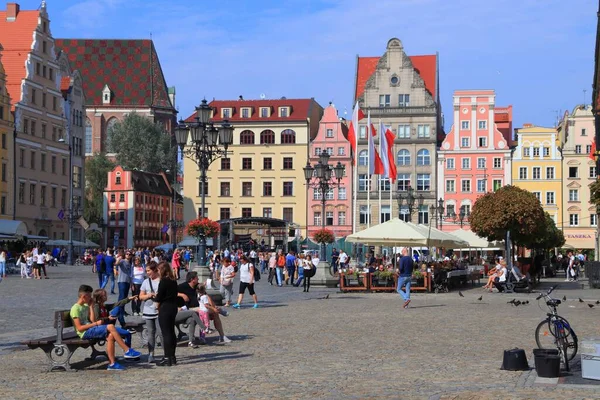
column 567, row 280
column 225, row 339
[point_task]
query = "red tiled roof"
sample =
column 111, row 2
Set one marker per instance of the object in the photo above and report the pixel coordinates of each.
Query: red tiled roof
column 16, row 37
column 424, row 65
column 130, row 68
column 300, row 109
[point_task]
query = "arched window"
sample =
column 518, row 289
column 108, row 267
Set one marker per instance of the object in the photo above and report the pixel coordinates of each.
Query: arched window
column 267, row 137
column 423, row 157
column 363, row 157
column 108, row 137
column 88, row 136
column 403, row 157
column 288, row 136
column 247, row 137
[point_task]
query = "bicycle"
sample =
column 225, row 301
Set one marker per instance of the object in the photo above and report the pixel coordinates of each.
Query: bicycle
column 555, row 331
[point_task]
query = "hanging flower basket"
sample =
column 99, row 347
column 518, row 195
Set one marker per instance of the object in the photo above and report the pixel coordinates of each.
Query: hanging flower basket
column 203, row 227
column 324, row 236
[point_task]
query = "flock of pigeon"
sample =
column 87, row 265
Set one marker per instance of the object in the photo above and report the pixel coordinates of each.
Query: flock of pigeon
column 518, row 303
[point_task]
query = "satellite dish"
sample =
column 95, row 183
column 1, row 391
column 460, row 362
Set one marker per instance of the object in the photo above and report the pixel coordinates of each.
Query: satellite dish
column 262, row 96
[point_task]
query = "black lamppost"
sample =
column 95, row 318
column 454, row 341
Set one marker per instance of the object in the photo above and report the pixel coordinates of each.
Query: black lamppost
column 72, row 211
column 320, row 178
column 438, row 212
column 461, row 215
column 208, row 143
column 410, row 201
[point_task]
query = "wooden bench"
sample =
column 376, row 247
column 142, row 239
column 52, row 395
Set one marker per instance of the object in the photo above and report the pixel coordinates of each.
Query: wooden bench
column 59, row 348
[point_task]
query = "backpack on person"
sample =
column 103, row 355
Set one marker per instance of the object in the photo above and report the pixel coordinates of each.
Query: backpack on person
column 256, row 273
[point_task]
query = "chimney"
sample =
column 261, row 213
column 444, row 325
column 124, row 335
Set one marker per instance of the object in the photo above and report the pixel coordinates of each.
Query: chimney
column 12, row 9
column 527, row 125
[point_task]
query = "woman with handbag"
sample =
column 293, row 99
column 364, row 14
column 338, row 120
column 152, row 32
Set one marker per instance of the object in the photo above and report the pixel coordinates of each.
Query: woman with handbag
column 309, row 271
column 166, row 300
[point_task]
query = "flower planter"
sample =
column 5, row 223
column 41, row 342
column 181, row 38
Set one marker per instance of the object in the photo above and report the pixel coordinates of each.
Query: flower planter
column 382, row 285
column 352, row 282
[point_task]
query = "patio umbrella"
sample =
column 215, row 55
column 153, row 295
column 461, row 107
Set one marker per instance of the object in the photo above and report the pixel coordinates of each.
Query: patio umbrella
column 394, row 232
column 476, row 241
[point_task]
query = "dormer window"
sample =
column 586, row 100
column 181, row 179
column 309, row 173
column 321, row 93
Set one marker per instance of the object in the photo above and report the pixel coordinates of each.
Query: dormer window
column 226, row 113
column 106, row 95
column 245, row 112
column 264, row 112
column 284, row 112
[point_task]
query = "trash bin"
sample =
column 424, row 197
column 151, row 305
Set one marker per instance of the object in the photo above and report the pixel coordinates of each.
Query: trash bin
column 590, row 358
column 592, row 272
column 547, row 362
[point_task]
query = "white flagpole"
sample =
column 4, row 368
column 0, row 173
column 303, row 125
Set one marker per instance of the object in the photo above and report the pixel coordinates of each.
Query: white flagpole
column 369, row 168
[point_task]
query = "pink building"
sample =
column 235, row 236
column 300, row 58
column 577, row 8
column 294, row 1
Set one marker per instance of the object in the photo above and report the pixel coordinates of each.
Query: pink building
column 475, row 155
column 331, row 138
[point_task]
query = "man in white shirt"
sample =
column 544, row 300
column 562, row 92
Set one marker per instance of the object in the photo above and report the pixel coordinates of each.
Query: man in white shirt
column 41, row 260
column 343, row 259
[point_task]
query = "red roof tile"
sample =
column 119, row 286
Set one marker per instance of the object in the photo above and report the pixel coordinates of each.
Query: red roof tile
column 300, row 109
column 130, row 68
column 16, row 37
column 424, row 65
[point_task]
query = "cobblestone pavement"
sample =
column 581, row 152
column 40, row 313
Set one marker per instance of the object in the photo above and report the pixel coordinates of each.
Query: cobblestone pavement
column 297, row 345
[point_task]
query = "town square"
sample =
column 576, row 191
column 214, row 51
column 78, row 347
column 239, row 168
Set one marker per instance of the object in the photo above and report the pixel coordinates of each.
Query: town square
column 316, row 199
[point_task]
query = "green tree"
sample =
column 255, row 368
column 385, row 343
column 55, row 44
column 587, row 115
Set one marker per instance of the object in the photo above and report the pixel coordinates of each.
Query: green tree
column 549, row 236
column 512, row 209
column 142, row 144
column 96, row 177
column 595, row 192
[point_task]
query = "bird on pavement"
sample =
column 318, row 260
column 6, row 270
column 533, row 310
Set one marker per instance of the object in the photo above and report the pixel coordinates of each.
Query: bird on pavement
column 511, row 302
column 480, row 298
column 581, row 301
column 517, row 303
column 526, row 302
column 564, row 298
column 590, row 305
column 597, row 301
column 460, row 294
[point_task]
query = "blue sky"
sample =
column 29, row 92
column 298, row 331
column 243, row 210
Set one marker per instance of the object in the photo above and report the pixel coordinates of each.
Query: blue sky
column 536, row 54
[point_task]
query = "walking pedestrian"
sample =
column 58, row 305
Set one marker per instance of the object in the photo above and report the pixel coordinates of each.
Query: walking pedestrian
column 406, row 269
column 124, row 271
column 2, row 264
column 138, row 276
column 246, row 282
column 226, row 280
column 109, row 260
column 272, row 267
column 166, row 300
column 176, row 263
column 150, row 313
column 290, row 264
column 23, row 264
column 280, row 267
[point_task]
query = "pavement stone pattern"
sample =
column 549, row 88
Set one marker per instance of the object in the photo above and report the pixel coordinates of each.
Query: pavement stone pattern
column 300, row 345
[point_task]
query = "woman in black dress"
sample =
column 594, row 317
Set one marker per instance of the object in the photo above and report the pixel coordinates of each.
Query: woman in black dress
column 166, row 299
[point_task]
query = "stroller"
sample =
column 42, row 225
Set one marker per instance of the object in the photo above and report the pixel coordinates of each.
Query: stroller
column 440, row 281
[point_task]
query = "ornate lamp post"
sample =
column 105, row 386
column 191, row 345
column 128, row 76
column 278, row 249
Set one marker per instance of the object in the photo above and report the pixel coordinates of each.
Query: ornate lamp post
column 461, row 215
column 207, row 143
column 323, row 177
column 438, row 211
column 410, row 201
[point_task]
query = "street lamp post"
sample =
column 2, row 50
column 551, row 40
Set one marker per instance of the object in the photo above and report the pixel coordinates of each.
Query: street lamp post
column 438, row 212
column 203, row 149
column 410, row 201
column 320, row 178
column 72, row 213
column 461, row 215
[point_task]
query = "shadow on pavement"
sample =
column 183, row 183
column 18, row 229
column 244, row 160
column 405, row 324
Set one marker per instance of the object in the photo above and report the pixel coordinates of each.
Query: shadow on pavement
column 212, row 357
column 429, row 306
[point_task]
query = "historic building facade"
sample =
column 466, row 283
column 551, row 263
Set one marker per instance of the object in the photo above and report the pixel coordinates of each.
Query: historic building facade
column 536, row 167
column 403, row 92
column 7, row 206
column 120, row 76
column 41, row 150
column 331, row 139
column 580, row 221
column 137, row 208
column 263, row 175
column 475, row 156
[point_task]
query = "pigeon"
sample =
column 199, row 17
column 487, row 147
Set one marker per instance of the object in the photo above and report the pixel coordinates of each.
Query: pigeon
column 564, row 298
column 517, row 303
column 597, row 301
column 581, row 301
column 590, row 305
column 511, row 302
column 526, row 302
column 480, row 298
column 326, row 297
column 460, row 294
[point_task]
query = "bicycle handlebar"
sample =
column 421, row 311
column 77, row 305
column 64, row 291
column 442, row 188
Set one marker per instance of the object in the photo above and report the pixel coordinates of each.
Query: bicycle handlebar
column 552, row 288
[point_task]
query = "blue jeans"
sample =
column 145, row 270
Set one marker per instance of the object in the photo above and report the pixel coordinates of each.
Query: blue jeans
column 300, row 276
column 101, row 280
column 279, row 271
column 2, row 268
column 263, row 266
column 123, row 293
column 111, row 278
column 404, row 281
column 100, row 332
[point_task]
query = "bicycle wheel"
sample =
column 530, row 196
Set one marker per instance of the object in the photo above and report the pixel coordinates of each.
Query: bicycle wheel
column 544, row 337
column 561, row 328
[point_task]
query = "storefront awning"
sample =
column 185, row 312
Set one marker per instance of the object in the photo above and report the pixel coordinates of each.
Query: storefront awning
column 13, row 228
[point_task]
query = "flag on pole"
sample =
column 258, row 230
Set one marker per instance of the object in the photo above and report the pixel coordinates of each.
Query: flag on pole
column 383, row 150
column 375, row 164
column 593, row 150
column 357, row 115
column 61, row 214
column 83, row 223
column 393, row 171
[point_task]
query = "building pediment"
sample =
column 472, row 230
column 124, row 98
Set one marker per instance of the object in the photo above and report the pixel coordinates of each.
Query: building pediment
column 574, row 185
column 573, row 162
column 592, row 209
column 573, row 208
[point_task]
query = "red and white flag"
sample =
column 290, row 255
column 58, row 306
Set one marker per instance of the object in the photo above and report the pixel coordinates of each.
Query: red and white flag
column 383, row 150
column 393, row 171
column 375, row 164
column 593, row 150
column 357, row 115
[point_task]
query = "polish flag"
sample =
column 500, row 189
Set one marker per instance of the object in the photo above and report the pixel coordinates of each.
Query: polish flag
column 593, row 150
column 357, row 115
column 386, row 144
column 375, row 164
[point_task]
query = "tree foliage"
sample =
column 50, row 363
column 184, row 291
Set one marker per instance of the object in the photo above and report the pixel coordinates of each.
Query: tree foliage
column 595, row 192
column 512, row 209
column 549, row 237
column 142, row 144
column 96, row 177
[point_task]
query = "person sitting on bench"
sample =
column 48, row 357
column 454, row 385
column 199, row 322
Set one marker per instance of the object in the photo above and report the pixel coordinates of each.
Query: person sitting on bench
column 500, row 279
column 98, row 330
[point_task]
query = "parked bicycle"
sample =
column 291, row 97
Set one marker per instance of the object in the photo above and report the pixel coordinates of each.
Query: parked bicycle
column 555, row 331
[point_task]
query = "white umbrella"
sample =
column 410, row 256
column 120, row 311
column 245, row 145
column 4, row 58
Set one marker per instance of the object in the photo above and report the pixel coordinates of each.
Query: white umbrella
column 474, row 240
column 57, row 242
column 439, row 238
column 394, row 232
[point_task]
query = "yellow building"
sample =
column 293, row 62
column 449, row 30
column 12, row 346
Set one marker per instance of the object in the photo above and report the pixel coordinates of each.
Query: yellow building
column 536, row 167
column 263, row 175
column 7, row 178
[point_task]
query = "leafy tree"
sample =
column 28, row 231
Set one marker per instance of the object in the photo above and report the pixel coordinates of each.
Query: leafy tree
column 142, row 144
column 96, row 177
column 549, row 236
column 512, row 209
column 595, row 192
